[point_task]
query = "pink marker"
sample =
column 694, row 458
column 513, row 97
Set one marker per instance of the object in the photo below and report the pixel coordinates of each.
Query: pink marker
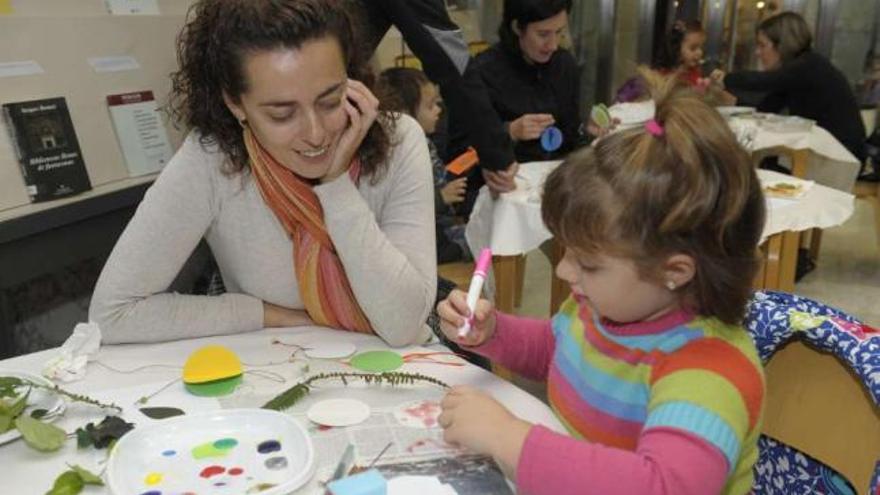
column 476, row 289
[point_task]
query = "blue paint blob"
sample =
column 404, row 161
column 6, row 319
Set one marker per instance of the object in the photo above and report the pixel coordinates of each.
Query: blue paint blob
column 220, row 483
column 169, row 453
column 269, row 446
column 551, row 138
column 152, row 492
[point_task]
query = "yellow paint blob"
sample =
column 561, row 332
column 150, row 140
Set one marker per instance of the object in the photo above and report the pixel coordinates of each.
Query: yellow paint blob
column 153, row 479
column 210, row 363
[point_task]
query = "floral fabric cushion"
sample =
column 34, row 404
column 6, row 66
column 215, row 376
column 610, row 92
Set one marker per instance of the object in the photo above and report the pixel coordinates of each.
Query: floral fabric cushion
column 773, row 318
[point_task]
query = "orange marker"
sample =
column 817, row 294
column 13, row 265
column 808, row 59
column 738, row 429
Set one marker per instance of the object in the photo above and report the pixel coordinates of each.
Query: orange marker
column 463, row 162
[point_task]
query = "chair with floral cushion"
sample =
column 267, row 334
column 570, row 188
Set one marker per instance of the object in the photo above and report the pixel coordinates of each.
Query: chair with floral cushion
column 775, row 318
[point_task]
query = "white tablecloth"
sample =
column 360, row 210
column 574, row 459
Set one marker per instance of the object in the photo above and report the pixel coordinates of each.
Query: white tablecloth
column 511, row 224
column 830, row 164
column 26, row 471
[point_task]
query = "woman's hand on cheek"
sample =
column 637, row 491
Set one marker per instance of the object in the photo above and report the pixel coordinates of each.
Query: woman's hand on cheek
column 475, row 420
column 362, row 108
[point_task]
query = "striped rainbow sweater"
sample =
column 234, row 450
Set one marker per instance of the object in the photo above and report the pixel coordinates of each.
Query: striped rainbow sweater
column 684, row 380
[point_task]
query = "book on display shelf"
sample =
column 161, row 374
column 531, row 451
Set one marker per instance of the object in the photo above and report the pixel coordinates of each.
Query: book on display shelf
column 140, row 132
column 47, row 148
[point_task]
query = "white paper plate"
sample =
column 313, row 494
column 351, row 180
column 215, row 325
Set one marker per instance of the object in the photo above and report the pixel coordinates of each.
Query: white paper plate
column 218, row 452
column 39, row 399
column 339, row 412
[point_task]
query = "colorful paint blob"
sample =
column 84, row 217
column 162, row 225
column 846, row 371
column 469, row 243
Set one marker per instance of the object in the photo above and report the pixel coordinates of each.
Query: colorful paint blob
column 236, row 471
column 260, row 487
column 225, row 443
column 276, row 463
column 208, row 450
column 269, row 446
column 153, row 479
column 169, row 453
column 212, row 471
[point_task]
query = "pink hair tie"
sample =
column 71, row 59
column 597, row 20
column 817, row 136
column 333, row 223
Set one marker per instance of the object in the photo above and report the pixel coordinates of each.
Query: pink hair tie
column 654, row 128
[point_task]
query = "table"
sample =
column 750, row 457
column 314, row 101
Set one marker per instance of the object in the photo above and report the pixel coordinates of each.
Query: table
column 511, row 225
column 814, row 154
column 29, row 471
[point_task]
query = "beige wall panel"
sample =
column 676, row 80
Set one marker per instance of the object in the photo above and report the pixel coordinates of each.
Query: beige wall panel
column 62, row 46
column 79, row 8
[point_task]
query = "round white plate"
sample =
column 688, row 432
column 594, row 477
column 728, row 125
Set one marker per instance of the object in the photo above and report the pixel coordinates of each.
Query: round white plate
column 39, row 399
column 339, row 412
column 227, row 451
column 329, row 350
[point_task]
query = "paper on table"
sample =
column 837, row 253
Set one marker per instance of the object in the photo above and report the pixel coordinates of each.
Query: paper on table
column 423, row 485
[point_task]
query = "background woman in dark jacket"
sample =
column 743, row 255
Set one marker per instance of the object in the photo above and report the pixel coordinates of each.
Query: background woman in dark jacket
column 800, row 80
column 532, row 82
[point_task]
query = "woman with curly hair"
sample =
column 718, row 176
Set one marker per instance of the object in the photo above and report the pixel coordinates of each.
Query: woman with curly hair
column 317, row 207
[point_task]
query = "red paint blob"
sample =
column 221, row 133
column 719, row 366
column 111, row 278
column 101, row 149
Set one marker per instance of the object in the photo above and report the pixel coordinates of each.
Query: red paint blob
column 236, row 471
column 212, row 471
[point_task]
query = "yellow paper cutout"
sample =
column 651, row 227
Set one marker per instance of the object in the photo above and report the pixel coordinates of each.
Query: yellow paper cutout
column 6, row 7
column 213, row 362
column 801, row 321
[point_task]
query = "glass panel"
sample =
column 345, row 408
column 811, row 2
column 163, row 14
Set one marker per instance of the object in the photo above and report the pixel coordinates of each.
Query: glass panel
column 853, row 33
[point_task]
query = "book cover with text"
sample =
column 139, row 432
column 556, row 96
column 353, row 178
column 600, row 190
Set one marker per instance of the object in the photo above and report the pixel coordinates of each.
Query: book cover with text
column 48, row 151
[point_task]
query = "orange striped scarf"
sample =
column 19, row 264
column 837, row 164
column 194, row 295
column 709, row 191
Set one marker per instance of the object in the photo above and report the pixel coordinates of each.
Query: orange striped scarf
column 323, row 285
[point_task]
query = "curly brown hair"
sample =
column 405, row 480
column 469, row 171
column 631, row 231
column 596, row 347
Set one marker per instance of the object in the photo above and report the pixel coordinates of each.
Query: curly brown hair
column 211, row 51
column 692, row 190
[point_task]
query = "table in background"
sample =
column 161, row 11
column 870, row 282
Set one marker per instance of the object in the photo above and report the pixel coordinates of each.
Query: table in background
column 28, row 471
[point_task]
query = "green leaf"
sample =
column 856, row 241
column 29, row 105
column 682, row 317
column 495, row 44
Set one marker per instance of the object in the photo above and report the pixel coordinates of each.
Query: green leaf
column 5, row 423
column 161, row 412
column 110, row 429
column 88, row 477
column 41, row 436
column 19, row 405
column 68, row 483
column 39, row 413
column 8, row 386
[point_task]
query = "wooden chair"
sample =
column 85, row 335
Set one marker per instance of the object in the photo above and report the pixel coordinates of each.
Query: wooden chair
column 477, row 47
column 822, row 410
column 870, row 191
column 408, row 60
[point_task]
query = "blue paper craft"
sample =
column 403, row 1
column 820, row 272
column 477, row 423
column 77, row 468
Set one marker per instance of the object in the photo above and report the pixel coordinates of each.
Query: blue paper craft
column 551, row 138
column 369, row 482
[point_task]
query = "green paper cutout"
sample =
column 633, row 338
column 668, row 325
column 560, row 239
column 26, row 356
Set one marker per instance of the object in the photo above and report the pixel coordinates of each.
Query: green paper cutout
column 161, row 412
column 214, row 388
column 377, row 361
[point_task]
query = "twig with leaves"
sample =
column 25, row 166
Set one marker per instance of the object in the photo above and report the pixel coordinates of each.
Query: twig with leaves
column 291, row 396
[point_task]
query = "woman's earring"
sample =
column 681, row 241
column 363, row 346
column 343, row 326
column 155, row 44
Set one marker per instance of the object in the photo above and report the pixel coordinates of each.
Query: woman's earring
column 670, row 285
column 242, row 123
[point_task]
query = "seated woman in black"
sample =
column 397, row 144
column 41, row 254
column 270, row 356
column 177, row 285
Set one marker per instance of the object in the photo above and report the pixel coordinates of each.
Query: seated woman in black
column 801, row 80
column 532, row 82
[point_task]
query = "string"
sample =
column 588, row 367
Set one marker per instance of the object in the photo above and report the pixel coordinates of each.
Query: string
column 135, row 370
column 268, row 375
column 143, row 400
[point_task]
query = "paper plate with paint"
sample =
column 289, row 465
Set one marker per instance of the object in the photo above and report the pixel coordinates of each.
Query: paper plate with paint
column 49, row 404
column 221, row 452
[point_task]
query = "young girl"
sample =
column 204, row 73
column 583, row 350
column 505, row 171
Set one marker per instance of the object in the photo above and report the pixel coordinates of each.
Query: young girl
column 680, row 53
column 647, row 364
column 410, row 91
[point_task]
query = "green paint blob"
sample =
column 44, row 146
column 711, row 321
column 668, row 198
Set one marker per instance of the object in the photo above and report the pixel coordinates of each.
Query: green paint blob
column 377, row 361
column 225, row 443
column 207, row 451
column 214, row 388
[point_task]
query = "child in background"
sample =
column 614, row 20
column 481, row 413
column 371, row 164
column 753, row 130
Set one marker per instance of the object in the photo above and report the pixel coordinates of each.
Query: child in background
column 647, row 364
column 680, row 53
column 409, row 91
